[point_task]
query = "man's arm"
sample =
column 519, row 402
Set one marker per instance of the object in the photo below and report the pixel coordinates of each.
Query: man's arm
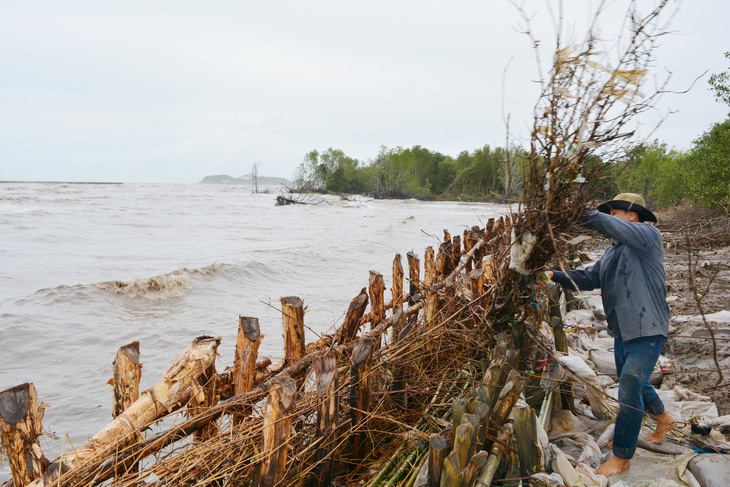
column 585, row 279
column 639, row 237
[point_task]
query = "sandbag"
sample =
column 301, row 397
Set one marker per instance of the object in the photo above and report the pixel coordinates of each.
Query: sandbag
column 711, row 470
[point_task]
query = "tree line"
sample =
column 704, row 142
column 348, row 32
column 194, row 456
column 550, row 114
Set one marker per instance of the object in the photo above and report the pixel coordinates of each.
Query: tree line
column 664, row 176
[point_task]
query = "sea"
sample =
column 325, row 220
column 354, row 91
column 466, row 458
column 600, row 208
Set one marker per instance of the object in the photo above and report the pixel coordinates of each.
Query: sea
column 88, row 268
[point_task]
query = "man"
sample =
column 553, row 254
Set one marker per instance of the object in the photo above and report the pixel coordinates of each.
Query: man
column 630, row 275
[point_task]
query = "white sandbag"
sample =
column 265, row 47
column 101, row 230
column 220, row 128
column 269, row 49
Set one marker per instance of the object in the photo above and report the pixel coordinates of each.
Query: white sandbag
column 553, row 480
column 581, row 477
column 585, row 374
column 710, row 469
column 606, row 436
column 590, row 453
column 682, row 404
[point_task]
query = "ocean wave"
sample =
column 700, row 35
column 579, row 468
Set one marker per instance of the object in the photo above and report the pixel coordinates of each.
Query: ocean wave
column 158, row 287
column 175, row 284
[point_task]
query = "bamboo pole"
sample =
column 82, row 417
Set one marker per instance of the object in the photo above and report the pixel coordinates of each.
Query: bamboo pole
column 127, row 374
column 325, row 369
column 526, row 434
column 507, row 399
column 487, row 474
column 463, row 443
column 362, row 357
column 21, row 420
column 292, row 315
column 349, row 328
column 376, row 290
column 170, row 392
column 476, row 464
column 438, row 449
column 277, row 422
column 451, row 474
column 247, row 348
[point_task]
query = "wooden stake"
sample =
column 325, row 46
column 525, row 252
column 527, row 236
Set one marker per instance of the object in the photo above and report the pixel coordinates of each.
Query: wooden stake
column 247, row 349
column 377, row 298
column 526, row 433
column 327, row 413
column 172, row 390
column 438, row 449
column 455, row 251
column 468, row 243
column 414, row 275
column 20, row 426
column 348, row 331
column 362, row 357
column 127, row 374
column 277, row 422
column 292, row 315
column 429, row 311
column 397, row 292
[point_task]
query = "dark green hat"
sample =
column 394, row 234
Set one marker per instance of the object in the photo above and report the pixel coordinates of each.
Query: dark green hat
column 628, row 202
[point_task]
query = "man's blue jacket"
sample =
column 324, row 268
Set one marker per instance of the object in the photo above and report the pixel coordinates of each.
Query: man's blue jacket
column 630, row 274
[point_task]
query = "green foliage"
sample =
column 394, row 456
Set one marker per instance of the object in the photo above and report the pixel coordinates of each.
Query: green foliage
column 654, row 171
column 707, row 168
column 720, row 85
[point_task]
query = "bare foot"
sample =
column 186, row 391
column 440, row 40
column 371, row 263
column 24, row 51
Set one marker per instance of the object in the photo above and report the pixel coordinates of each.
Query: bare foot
column 664, row 424
column 612, row 466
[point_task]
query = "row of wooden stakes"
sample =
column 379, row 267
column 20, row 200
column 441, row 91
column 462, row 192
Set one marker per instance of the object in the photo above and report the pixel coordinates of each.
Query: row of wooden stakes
column 192, row 380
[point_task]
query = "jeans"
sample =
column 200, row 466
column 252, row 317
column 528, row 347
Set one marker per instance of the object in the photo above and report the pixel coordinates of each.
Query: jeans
column 635, row 360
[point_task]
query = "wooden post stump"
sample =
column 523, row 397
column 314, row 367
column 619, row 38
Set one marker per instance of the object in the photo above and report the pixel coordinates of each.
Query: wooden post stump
column 20, row 426
column 277, row 422
column 397, row 293
column 414, row 276
column 507, row 399
column 127, row 374
column 327, row 384
column 348, row 331
column 429, row 311
column 247, row 349
column 376, row 290
column 292, row 315
column 362, row 357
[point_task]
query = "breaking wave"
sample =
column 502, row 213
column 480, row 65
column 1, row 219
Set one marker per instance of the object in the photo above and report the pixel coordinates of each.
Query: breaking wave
column 172, row 285
column 158, row 287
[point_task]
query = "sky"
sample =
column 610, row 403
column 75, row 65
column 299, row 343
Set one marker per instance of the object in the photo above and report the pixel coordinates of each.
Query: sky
column 175, row 90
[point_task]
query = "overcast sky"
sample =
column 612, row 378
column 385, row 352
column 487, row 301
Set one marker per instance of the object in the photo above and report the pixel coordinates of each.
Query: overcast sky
column 172, row 91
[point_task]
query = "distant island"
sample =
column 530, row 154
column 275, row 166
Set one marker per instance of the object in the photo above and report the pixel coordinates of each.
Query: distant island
column 245, row 179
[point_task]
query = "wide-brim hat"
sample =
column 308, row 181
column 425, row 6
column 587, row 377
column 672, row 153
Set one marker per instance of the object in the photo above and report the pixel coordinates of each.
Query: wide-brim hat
column 628, row 202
